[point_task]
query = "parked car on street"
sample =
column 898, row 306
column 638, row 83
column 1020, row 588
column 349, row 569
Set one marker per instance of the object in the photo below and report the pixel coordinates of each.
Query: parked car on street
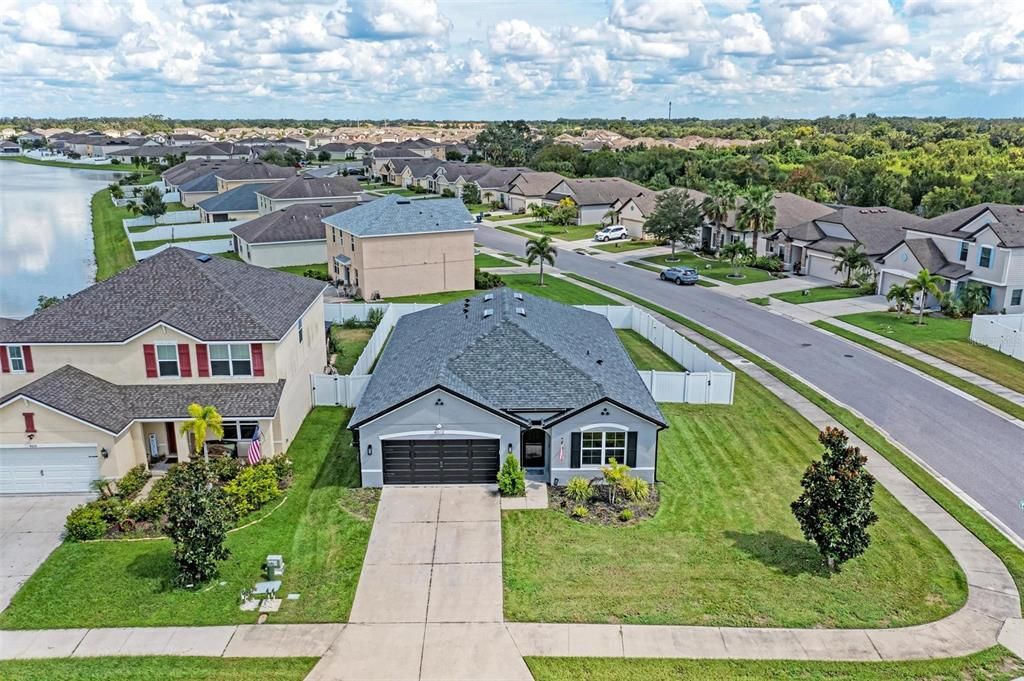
column 681, row 276
column 612, row 233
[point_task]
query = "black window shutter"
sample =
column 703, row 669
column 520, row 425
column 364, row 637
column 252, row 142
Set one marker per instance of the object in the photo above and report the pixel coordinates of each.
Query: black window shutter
column 574, row 450
column 631, row 449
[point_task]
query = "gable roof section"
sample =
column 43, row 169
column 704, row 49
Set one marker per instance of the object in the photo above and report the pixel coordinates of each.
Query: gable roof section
column 298, row 222
column 594, row 191
column 193, row 168
column 202, row 183
column 530, row 183
column 878, row 229
column 419, row 167
column 308, row 187
column 1009, row 227
column 255, row 170
column 393, row 215
column 216, row 300
column 932, row 259
column 240, row 199
column 555, row 358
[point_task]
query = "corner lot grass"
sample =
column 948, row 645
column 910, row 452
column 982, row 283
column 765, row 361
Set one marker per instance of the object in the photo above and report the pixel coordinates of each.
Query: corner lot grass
column 645, row 354
column 321, row 529
column 947, row 339
column 724, row 548
column 715, row 269
column 819, row 294
column 568, row 233
column 157, row 668
column 555, row 288
column 623, row 246
column 994, row 664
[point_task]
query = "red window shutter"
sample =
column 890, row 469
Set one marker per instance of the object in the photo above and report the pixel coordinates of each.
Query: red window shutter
column 5, row 365
column 202, row 361
column 26, row 352
column 184, row 361
column 149, row 352
column 257, row 359
column 30, row 422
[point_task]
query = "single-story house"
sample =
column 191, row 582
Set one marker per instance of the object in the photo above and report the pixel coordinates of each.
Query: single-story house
column 240, row 203
column 290, row 236
column 232, row 175
column 634, row 211
column 217, row 151
column 460, row 386
column 594, row 196
column 528, row 188
column 177, row 175
column 398, row 247
column 198, row 189
column 308, row 189
column 9, row 148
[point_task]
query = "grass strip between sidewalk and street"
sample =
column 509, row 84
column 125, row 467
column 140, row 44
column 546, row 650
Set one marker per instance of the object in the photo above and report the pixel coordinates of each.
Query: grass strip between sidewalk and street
column 157, row 668
column 1001, row 403
column 1011, row 556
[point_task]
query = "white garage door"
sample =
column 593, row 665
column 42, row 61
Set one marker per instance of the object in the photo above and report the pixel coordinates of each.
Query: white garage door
column 822, row 268
column 47, row 470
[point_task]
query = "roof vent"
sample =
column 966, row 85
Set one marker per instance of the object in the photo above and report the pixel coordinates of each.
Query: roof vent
column 489, row 296
column 403, row 202
column 882, row 210
column 488, row 312
column 203, row 258
column 517, row 296
column 521, row 311
column 863, row 211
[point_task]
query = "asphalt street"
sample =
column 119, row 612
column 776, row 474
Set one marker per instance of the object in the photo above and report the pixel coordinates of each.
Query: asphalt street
column 977, row 450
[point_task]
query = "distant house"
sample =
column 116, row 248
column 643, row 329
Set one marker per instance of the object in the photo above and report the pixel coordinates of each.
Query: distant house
column 181, row 173
column 198, row 189
column 308, row 189
column 293, row 142
column 233, row 175
column 382, row 157
column 396, row 247
column 184, row 139
column 490, row 180
column 411, row 172
column 594, row 197
column 342, row 151
column 528, row 188
column 218, row 151
column 8, row 148
column 239, row 203
column 147, row 152
column 30, row 138
column 634, row 211
column 291, row 236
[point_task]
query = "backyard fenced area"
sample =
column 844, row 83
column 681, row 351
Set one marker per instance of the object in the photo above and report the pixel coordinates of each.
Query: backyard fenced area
column 1001, row 332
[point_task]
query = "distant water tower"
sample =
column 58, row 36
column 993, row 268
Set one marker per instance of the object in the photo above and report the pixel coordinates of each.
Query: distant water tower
column 670, row 110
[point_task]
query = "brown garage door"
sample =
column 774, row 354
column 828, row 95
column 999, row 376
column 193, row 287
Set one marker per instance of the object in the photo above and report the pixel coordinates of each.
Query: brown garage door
column 430, row 462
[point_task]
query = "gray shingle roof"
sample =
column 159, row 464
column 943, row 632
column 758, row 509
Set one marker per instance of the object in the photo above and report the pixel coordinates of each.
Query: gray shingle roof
column 203, row 183
column 932, row 259
column 217, row 300
column 1009, row 226
column 193, row 168
column 595, row 191
column 256, row 170
column 308, row 186
column 113, row 407
column 877, row 228
column 241, row 198
column 396, row 215
column 530, row 183
column 556, row 357
column 420, row 167
column 299, row 222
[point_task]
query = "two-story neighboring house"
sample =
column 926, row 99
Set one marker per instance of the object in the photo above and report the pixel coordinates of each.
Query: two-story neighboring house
column 101, row 382
column 983, row 243
column 398, row 247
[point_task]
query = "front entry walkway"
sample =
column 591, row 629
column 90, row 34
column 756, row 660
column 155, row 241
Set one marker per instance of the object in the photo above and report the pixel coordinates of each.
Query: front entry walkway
column 429, row 601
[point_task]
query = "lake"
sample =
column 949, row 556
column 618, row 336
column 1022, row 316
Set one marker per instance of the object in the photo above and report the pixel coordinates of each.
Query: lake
column 45, row 232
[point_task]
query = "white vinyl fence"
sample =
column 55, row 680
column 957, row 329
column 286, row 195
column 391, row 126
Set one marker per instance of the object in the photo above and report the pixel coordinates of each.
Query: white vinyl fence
column 187, row 230
column 210, row 246
column 705, row 380
column 178, row 217
column 1001, row 332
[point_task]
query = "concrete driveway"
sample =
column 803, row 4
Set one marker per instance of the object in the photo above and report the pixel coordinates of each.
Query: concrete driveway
column 30, row 528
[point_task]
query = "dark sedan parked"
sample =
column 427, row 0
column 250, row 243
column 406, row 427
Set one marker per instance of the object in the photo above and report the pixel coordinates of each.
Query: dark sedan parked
column 682, row 276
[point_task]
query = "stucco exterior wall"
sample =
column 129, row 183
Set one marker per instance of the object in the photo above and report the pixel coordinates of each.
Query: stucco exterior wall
column 284, row 253
column 296, row 361
column 190, row 199
column 607, row 417
column 410, row 264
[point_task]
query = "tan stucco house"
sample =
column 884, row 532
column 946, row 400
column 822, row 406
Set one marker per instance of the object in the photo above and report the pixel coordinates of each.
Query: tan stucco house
column 101, row 382
column 397, row 247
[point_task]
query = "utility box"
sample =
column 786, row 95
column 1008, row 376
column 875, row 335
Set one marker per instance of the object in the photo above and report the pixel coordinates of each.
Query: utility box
column 275, row 566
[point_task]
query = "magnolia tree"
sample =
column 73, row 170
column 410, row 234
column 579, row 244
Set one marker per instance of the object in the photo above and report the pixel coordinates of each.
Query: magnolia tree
column 197, row 523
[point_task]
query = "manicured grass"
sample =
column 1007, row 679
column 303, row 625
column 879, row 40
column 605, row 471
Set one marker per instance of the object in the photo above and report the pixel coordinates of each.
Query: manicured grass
column 645, row 354
column 146, row 245
column 122, row 167
column 763, row 302
column 716, row 269
column 994, row 664
column 400, row 191
column 567, row 233
column 111, row 248
column 724, row 548
column 947, row 339
column 706, row 283
column 820, row 294
column 623, row 246
column 475, row 208
column 158, row 668
column 990, row 398
column 508, row 216
column 639, row 264
column 318, row 267
column 321, row 529
column 1012, row 557
column 554, row 288
column 352, row 343
column 483, row 260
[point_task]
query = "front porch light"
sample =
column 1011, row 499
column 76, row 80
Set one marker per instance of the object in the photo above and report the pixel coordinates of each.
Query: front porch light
column 369, row 450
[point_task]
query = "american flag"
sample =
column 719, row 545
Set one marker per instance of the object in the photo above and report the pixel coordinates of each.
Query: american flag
column 254, row 448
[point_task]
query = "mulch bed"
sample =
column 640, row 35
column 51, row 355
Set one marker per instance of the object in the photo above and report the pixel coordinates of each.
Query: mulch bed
column 602, row 512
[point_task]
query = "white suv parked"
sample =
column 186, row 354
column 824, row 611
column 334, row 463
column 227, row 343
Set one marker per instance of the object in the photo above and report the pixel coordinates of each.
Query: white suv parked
column 611, row 233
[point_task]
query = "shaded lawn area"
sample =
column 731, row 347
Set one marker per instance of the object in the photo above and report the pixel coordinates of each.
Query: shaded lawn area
column 645, row 354
column 158, row 668
column 352, row 341
column 484, row 260
column 724, row 548
column 994, row 664
column 820, row 294
column 947, row 339
column 555, row 288
column 321, row 529
column 111, row 248
column 623, row 246
column 566, row 232
column 716, row 269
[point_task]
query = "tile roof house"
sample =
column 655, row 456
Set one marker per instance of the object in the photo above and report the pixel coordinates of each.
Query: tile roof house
column 289, row 236
column 100, row 382
column 396, row 247
column 459, row 385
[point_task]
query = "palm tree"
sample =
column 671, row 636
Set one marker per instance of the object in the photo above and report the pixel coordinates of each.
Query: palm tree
column 757, row 214
column 540, row 249
column 735, row 251
column 974, row 297
column 924, row 283
column 901, row 297
column 720, row 201
column 849, row 259
column 205, row 420
column 611, row 216
column 540, row 211
column 134, row 208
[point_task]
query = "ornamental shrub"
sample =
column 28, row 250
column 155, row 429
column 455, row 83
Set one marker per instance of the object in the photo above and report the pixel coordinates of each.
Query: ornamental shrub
column 132, row 482
column 511, row 478
column 636, row 489
column 580, row 511
column 626, row 515
column 254, row 486
column 85, row 522
column 197, row 523
column 579, row 490
column 283, row 469
column 226, row 468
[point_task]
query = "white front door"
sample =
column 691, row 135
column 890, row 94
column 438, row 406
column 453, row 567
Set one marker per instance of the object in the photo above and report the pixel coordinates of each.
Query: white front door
column 46, row 470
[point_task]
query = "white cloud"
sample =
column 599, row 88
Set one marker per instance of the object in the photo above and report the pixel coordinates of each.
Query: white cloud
column 659, row 16
column 744, row 34
column 518, row 38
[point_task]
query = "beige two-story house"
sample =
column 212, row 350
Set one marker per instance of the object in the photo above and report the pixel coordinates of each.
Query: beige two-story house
column 398, row 247
column 101, row 382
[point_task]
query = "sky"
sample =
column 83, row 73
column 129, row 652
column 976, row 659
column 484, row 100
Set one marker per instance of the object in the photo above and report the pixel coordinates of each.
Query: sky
column 533, row 59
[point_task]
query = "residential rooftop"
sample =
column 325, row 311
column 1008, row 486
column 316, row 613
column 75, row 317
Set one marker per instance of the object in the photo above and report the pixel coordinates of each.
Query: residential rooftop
column 307, row 187
column 393, row 215
column 298, row 222
column 238, row 200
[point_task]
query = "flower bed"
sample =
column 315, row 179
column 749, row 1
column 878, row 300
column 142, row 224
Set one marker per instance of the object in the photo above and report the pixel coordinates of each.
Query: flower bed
column 614, row 497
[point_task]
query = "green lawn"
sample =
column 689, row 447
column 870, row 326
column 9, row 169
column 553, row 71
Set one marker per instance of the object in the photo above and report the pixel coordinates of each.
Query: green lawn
column 483, row 260
column 321, row 529
column 715, row 269
column 475, row 208
column 1001, row 403
column 111, row 249
column 318, row 267
column 980, row 527
column 762, row 301
column 947, row 339
column 623, row 246
column 146, row 245
column 352, row 341
column 994, row 664
column 554, row 288
column 567, row 233
column 645, row 354
column 158, row 668
column 724, row 548
column 509, row 216
column 819, row 294
column 122, row 167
